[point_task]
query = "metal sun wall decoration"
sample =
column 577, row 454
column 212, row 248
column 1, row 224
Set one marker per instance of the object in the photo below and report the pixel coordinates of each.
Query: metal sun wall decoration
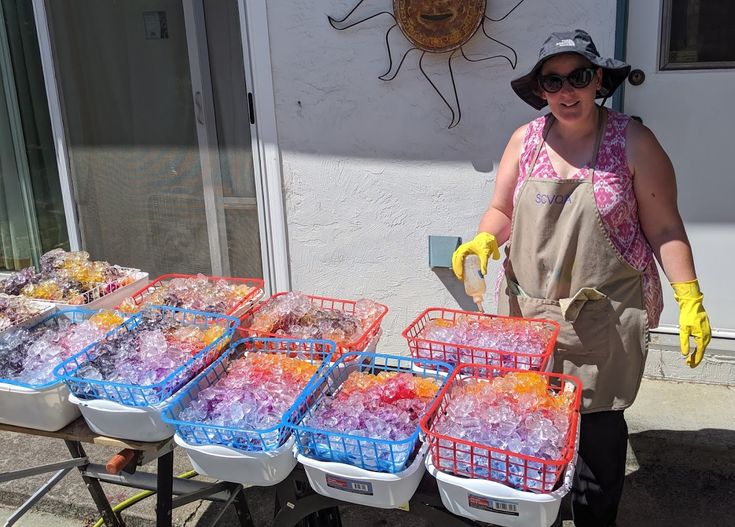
column 434, row 26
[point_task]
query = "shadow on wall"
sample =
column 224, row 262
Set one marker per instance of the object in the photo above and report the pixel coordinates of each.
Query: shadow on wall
column 456, row 289
column 328, row 81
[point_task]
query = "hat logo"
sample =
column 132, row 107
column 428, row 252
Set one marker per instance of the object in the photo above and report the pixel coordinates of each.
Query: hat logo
column 565, row 43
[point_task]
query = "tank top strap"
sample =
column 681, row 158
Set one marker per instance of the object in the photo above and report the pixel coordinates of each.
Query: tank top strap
column 533, row 138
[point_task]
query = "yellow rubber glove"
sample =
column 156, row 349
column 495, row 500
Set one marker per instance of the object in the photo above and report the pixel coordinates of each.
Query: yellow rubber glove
column 482, row 245
column 693, row 320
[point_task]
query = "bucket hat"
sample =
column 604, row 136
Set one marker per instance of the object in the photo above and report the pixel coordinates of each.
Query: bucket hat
column 578, row 41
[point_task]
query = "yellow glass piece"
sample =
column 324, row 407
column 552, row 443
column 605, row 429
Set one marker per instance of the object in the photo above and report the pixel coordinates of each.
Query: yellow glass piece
column 128, row 306
column 212, row 334
column 47, row 290
column 106, row 319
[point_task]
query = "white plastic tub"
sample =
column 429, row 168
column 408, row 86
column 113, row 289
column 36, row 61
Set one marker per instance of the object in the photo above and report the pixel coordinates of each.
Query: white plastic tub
column 111, row 300
column 492, row 502
column 47, row 409
column 137, row 423
column 262, row 469
column 364, row 487
column 43, row 310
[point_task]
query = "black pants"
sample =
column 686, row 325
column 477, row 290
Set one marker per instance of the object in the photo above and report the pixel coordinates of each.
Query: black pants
column 598, row 480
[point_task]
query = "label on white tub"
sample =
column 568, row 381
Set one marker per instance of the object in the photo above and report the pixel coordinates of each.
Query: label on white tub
column 486, row 504
column 350, row 485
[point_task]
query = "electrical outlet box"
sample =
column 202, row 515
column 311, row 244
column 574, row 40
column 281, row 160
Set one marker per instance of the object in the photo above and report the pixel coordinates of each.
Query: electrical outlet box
column 441, row 249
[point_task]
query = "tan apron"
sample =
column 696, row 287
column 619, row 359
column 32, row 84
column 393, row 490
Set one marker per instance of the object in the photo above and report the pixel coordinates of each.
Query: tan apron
column 561, row 265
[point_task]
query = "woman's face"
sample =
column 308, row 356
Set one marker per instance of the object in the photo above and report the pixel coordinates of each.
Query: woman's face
column 570, row 104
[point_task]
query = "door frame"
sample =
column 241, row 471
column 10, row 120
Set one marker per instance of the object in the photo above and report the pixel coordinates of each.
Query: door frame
column 206, row 129
column 265, row 149
column 57, row 125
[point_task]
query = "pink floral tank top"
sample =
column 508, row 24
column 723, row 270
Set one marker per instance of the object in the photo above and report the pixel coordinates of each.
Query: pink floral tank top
column 613, row 188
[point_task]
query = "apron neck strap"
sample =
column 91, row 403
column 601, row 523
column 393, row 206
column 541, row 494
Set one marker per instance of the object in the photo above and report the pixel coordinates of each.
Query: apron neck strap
column 550, row 120
column 601, row 122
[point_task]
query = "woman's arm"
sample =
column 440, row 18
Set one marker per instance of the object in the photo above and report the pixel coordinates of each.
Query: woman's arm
column 496, row 219
column 654, row 185
column 494, row 226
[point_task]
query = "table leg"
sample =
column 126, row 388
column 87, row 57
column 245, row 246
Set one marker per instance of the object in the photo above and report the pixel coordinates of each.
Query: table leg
column 165, row 487
column 242, row 510
column 110, row 518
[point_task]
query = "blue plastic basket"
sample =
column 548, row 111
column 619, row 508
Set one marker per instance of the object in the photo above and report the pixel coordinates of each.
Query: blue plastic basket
column 75, row 316
column 148, row 395
column 380, row 455
column 248, row 439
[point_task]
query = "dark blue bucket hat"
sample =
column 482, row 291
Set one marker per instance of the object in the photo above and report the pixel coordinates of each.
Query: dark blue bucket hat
column 578, row 41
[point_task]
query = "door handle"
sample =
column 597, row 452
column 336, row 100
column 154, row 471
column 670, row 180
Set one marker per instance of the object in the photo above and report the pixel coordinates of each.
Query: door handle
column 251, row 108
column 636, row 77
column 198, row 107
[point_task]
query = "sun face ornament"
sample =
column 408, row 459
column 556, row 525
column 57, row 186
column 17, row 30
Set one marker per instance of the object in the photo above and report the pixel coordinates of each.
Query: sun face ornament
column 436, row 27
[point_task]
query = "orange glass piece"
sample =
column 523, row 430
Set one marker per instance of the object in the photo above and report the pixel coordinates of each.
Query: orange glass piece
column 270, row 366
column 400, row 385
column 530, row 390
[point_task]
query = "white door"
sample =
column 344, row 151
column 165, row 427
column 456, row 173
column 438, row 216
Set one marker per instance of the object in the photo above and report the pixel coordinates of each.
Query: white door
column 686, row 51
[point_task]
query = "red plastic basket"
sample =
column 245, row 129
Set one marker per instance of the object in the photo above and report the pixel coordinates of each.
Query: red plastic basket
column 477, row 461
column 347, row 306
column 454, row 353
column 240, row 308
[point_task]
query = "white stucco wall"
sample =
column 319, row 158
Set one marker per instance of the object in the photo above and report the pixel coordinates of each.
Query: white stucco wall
column 370, row 169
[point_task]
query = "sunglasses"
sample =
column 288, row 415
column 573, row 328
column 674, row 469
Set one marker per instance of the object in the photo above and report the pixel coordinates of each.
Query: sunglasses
column 579, row 78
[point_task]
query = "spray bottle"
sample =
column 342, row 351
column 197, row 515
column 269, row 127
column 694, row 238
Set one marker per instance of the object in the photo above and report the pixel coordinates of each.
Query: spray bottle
column 474, row 282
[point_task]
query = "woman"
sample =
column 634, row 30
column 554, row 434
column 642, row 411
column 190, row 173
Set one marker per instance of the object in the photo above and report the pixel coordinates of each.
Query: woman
column 586, row 197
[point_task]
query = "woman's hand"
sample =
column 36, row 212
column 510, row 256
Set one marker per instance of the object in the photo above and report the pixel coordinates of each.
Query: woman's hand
column 483, row 245
column 693, row 320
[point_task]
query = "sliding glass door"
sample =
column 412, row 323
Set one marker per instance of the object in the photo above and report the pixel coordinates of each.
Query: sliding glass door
column 155, row 111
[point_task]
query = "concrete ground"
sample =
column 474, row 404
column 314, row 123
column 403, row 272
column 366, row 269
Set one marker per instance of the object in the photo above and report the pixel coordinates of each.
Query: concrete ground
column 38, row 519
column 681, row 472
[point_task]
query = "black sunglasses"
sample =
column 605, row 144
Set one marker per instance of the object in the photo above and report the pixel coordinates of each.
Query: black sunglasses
column 579, row 78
